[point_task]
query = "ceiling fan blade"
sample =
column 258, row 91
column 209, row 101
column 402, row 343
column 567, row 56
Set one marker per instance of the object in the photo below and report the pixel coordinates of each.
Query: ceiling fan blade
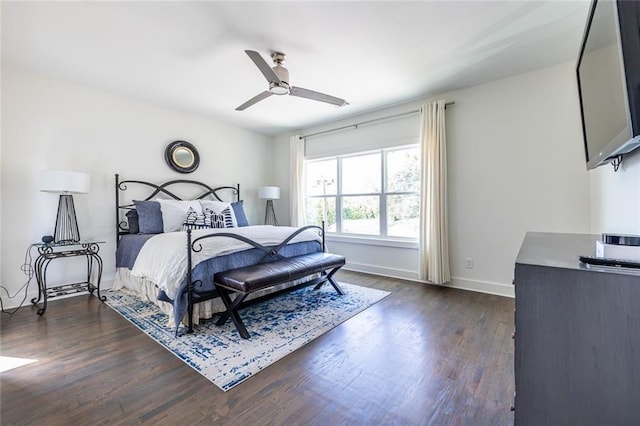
column 317, row 96
column 254, row 100
column 263, row 66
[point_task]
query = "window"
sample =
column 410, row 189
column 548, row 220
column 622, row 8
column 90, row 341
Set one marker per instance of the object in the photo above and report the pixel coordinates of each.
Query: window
column 373, row 193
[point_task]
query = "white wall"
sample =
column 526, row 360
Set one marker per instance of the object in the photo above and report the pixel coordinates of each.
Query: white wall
column 514, row 152
column 615, row 197
column 50, row 124
column 515, row 164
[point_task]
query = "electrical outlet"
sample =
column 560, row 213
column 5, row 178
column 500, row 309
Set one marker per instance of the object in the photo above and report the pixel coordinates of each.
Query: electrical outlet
column 468, row 263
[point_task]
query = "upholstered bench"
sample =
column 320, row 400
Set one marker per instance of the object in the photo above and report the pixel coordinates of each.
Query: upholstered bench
column 249, row 279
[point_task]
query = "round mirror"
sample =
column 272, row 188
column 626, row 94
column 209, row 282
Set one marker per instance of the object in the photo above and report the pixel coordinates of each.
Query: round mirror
column 182, row 156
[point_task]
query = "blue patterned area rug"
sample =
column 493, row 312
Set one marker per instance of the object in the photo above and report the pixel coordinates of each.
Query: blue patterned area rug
column 277, row 326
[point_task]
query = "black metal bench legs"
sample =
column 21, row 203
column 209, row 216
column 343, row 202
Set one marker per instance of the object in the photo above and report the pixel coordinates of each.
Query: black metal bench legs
column 329, row 277
column 232, row 310
column 234, row 305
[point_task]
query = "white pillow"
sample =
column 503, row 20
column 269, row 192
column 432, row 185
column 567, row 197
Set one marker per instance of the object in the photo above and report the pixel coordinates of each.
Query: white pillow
column 223, row 208
column 174, row 213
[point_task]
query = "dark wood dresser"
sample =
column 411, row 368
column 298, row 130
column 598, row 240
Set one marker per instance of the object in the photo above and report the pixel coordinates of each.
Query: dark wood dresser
column 577, row 336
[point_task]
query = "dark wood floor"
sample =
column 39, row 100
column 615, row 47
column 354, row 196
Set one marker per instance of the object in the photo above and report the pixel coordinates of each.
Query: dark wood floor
column 424, row 355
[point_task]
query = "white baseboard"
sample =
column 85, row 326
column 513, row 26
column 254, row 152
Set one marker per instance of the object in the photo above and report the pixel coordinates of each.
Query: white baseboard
column 506, row 290
column 9, row 304
column 382, row 271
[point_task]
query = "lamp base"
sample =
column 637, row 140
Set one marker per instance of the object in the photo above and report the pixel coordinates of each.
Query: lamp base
column 270, row 214
column 66, row 223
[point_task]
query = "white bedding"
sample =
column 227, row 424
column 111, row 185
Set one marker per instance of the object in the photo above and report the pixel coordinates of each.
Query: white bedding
column 147, row 291
column 163, row 258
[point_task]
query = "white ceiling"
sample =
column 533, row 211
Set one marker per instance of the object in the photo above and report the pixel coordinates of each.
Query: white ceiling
column 190, row 55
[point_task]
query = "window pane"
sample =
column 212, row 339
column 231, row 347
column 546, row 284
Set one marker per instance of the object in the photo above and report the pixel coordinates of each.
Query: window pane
column 319, row 209
column 322, row 177
column 361, row 215
column 361, row 174
column 403, row 170
column 403, row 215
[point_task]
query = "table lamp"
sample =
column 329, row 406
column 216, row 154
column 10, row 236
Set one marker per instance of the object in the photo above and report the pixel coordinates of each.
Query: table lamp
column 65, row 183
column 269, row 193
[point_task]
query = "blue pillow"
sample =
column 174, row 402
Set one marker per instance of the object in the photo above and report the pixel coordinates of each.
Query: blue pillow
column 132, row 218
column 238, row 210
column 149, row 217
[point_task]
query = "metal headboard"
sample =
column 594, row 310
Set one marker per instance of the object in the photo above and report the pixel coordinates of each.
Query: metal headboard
column 207, row 191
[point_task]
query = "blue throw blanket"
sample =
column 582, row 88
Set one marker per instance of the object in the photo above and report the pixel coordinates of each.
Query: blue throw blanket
column 202, row 274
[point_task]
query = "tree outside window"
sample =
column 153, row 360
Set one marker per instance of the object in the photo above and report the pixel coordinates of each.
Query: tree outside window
column 373, row 193
column 321, row 189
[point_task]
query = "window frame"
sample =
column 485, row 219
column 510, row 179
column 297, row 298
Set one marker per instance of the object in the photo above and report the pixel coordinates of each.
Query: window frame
column 382, row 195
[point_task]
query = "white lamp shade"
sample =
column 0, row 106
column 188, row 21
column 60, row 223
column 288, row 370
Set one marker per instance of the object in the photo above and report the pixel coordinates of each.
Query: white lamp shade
column 269, row 192
column 64, row 182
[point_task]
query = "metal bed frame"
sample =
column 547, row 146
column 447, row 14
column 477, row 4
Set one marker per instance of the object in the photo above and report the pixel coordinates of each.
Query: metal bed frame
column 121, row 186
column 155, row 189
column 193, row 245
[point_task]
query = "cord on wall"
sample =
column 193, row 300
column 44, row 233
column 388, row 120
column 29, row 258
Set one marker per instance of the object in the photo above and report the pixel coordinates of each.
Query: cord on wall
column 27, row 269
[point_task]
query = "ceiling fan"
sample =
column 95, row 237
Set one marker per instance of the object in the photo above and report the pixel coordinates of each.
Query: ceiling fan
column 278, row 78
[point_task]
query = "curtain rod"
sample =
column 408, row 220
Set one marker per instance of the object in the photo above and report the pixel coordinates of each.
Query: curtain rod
column 389, row 117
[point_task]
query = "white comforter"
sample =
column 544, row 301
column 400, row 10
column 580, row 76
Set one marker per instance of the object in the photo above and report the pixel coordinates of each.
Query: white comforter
column 163, row 258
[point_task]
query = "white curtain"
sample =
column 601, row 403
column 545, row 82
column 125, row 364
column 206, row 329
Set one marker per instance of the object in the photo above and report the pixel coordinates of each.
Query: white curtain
column 434, row 240
column 297, row 180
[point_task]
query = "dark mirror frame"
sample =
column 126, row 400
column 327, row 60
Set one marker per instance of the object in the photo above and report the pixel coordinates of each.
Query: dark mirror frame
column 169, row 156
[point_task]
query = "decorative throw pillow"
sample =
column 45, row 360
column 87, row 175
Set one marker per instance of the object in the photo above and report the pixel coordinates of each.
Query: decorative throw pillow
column 149, row 217
column 222, row 219
column 238, row 210
column 132, row 219
column 193, row 220
column 221, row 208
column 174, row 213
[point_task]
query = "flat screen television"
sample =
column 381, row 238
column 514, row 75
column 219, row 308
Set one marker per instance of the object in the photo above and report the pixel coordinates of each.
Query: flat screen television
column 608, row 71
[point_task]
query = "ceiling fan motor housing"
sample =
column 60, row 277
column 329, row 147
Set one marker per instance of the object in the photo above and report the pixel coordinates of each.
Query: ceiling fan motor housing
column 282, row 87
column 278, row 57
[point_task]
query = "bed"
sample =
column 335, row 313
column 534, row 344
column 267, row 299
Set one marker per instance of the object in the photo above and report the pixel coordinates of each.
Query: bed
column 165, row 253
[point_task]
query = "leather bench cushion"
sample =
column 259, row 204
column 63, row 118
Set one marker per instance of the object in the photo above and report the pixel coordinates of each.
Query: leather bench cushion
column 262, row 275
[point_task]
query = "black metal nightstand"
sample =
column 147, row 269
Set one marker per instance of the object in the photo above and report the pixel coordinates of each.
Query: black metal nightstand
column 50, row 251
